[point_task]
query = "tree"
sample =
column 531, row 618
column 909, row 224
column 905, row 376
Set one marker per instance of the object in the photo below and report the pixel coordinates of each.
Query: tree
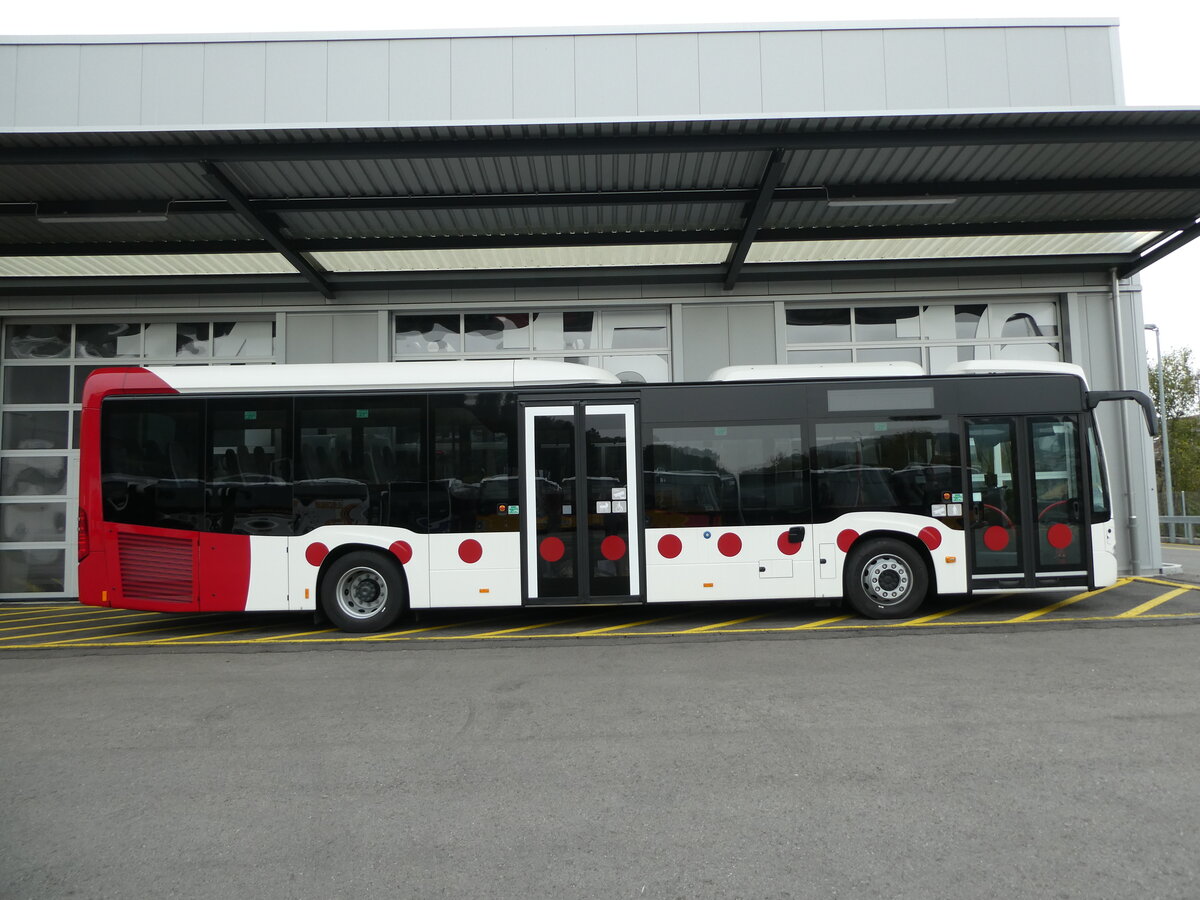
column 1181, row 387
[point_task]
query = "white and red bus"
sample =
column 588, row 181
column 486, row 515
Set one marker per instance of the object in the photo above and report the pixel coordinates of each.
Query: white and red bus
column 364, row 490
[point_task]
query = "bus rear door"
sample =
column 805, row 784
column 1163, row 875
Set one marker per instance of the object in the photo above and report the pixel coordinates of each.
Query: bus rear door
column 581, row 534
column 1027, row 512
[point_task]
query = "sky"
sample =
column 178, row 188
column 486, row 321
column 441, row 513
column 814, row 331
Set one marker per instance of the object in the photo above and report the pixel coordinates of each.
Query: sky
column 1157, row 39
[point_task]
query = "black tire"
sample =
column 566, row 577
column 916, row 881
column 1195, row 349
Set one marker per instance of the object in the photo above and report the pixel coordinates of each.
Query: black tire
column 885, row 579
column 363, row 591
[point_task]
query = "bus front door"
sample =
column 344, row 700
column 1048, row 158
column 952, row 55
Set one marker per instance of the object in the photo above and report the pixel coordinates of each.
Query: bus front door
column 581, row 535
column 1028, row 524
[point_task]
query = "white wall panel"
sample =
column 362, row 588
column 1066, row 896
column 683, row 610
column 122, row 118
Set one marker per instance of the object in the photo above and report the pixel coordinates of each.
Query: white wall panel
column 1089, row 54
column 977, row 67
column 730, row 74
column 172, row 84
column 543, row 77
column 605, row 76
column 356, row 337
column 358, row 81
column 110, row 78
column 8, row 85
column 308, row 339
column 915, row 66
column 667, row 75
column 47, row 86
column 419, row 78
column 1037, row 67
column 235, row 83
column 854, row 71
column 296, row 81
column 481, row 78
column 793, row 78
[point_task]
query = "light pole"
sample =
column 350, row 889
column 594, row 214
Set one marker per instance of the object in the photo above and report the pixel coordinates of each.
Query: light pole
column 1162, row 412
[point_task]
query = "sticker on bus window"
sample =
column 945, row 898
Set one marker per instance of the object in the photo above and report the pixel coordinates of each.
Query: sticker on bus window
column 619, row 494
column 938, row 510
column 361, row 413
column 954, row 509
column 250, row 415
column 720, row 431
column 603, row 506
column 566, row 509
column 881, row 426
column 957, row 498
column 514, row 510
column 620, row 506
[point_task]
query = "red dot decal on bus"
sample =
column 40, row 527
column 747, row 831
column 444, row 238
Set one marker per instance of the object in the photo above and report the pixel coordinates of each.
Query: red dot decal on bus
column 612, row 547
column 729, row 544
column 995, row 538
column 315, row 554
column 786, row 546
column 402, row 550
column 930, row 537
column 669, row 546
column 1059, row 536
column 846, row 538
column 469, row 551
column 551, row 549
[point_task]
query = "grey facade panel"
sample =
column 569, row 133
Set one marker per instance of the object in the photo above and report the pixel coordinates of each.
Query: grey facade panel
column 854, row 70
column 667, row 75
column 1090, row 58
column 977, row 68
column 297, row 81
column 542, row 84
column 110, row 78
column 419, row 81
column 356, row 337
column 309, row 338
column 704, row 343
column 752, row 334
column 1037, row 67
column 235, row 83
column 47, row 86
column 358, row 81
column 606, row 76
column 481, row 82
column 172, row 84
column 915, row 65
column 730, row 74
column 793, row 78
column 8, row 86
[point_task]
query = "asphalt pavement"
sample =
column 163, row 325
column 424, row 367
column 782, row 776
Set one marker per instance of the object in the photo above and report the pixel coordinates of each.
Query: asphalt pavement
column 903, row 764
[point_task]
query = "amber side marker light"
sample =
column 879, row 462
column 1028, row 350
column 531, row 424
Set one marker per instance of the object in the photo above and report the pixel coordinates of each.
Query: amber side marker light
column 951, row 559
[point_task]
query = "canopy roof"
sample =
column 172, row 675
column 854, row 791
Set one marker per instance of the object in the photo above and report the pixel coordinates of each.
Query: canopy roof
column 682, row 201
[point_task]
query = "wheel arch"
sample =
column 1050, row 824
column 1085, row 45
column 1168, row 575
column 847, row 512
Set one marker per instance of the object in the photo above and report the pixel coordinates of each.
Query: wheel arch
column 911, row 540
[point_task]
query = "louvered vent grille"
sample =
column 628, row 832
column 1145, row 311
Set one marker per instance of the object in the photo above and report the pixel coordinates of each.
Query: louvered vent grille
column 156, row 568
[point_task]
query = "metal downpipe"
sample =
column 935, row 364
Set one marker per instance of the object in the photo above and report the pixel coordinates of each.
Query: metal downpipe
column 1119, row 329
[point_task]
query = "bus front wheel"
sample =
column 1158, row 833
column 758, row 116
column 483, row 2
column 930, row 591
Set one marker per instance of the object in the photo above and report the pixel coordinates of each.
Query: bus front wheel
column 363, row 591
column 885, row 579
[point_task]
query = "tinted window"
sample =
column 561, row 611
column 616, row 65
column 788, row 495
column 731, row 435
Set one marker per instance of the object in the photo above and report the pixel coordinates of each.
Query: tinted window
column 360, row 462
column 249, row 485
column 884, row 465
column 150, row 467
column 474, row 463
column 726, row 475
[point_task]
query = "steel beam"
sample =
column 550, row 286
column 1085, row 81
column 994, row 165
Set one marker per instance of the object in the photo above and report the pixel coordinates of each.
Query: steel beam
column 269, row 230
column 754, row 217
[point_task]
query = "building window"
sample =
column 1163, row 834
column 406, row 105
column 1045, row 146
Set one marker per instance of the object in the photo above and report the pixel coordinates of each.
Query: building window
column 43, row 366
column 933, row 335
column 633, row 344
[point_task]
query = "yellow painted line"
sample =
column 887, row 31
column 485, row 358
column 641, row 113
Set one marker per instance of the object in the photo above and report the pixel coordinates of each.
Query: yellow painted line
column 298, row 634
column 1061, row 603
column 14, row 616
column 1150, row 604
column 1162, row 581
column 946, row 612
column 100, row 637
column 820, row 623
column 716, row 625
column 184, row 637
column 612, row 628
column 1191, row 547
column 86, row 618
column 403, row 635
column 506, row 631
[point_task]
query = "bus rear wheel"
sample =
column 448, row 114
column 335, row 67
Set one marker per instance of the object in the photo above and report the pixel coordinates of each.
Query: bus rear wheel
column 363, row 591
column 885, row 579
